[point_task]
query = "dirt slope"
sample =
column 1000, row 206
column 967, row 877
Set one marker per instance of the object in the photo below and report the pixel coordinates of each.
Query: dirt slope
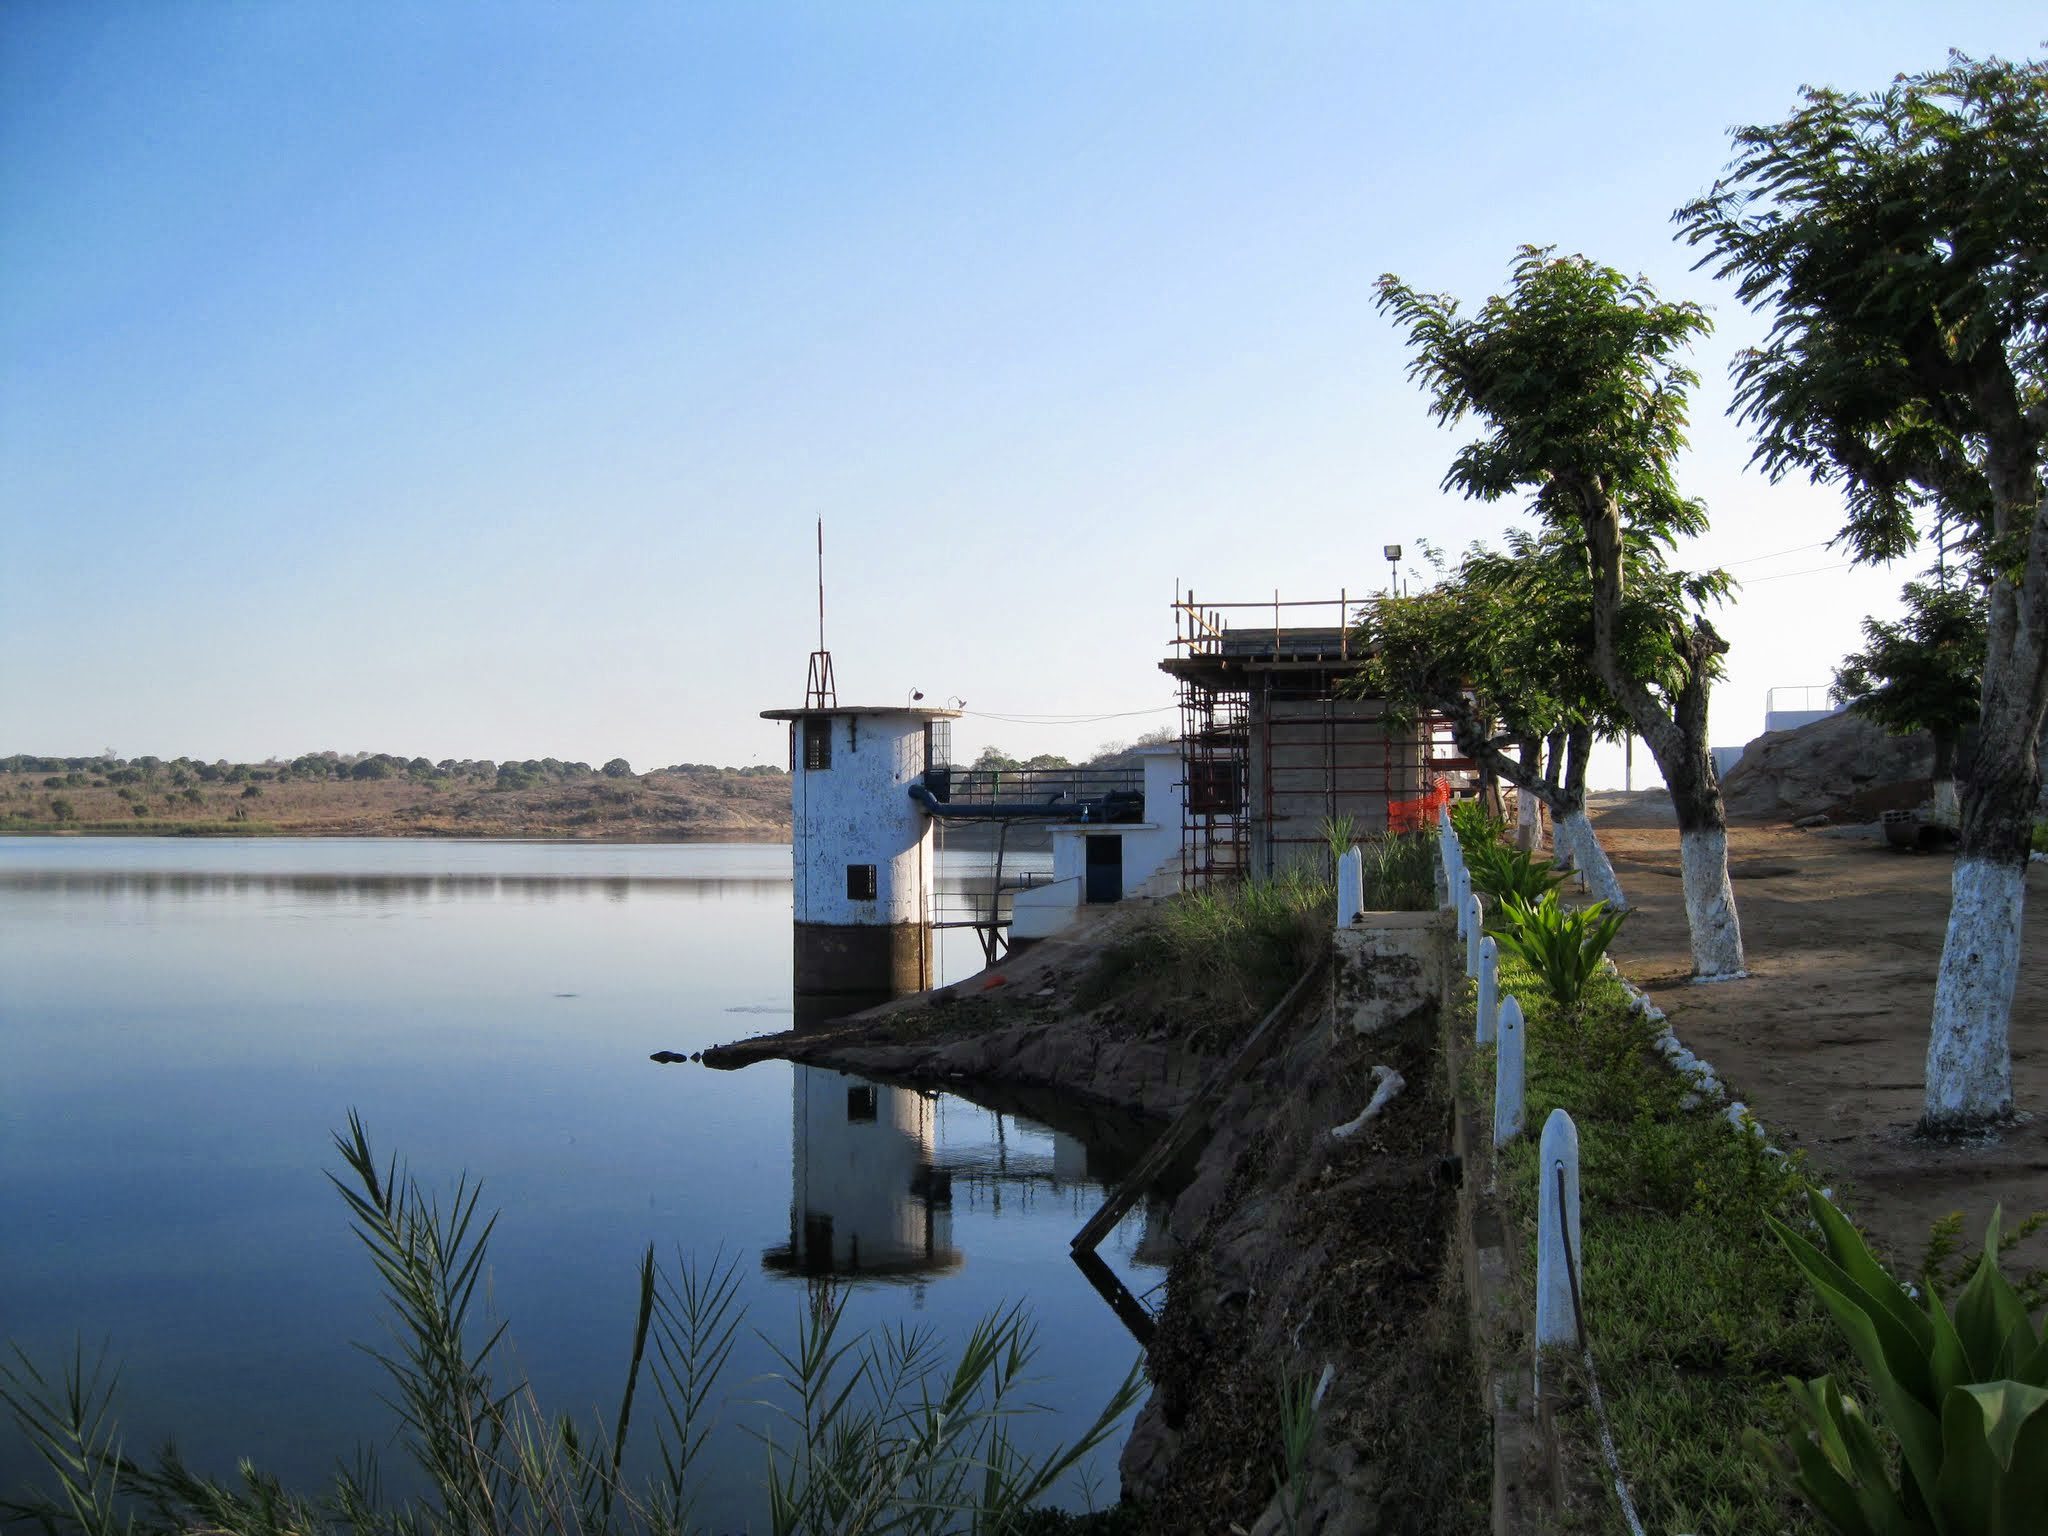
column 1827, row 1039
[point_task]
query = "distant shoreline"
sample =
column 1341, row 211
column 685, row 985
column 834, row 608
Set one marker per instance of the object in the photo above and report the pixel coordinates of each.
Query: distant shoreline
column 392, row 798
column 209, row 832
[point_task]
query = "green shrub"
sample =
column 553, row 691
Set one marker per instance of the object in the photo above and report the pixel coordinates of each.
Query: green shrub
column 1964, row 1391
column 1500, row 870
column 2040, row 840
column 1562, row 945
column 1475, row 826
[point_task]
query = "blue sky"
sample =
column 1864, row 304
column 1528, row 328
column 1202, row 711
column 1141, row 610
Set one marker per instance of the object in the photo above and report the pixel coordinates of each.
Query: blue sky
column 465, row 380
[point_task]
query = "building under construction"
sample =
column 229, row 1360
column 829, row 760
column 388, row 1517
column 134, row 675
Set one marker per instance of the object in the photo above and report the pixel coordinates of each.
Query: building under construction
column 1275, row 744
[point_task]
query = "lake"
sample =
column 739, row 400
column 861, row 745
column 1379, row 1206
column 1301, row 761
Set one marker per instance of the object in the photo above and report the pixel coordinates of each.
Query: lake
column 184, row 1024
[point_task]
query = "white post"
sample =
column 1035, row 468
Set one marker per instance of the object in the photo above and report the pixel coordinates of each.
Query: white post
column 1350, row 887
column 1461, row 892
column 1489, row 986
column 1475, row 924
column 1557, row 1217
column 1507, row 1074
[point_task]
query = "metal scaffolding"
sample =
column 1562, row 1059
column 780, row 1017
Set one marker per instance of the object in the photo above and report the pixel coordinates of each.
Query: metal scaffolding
column 1273, row 742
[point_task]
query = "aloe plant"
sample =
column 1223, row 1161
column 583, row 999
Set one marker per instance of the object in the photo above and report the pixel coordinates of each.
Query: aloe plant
column 1562, row 945
column 1500, row 870
column 1964, row 1389
column 1475, row 826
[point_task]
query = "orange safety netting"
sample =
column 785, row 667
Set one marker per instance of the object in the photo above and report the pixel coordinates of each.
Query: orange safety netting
column 1415, row 815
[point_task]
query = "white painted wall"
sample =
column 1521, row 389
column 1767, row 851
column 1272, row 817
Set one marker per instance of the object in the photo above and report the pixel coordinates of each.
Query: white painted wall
column 859, row 811
column 1792, row 719
column 1147, row 851
column 1039, row 911
column 1148, row 846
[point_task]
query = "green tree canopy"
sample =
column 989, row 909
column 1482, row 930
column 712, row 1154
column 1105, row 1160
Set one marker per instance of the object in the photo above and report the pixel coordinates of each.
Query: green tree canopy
column 1921, row 673
column 1576, row 377
column 1899, row 240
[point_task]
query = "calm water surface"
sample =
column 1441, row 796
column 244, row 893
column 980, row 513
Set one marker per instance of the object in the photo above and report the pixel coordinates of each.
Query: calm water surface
column 183, row 1025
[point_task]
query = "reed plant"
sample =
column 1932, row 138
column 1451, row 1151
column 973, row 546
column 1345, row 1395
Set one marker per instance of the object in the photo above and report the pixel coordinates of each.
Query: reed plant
column 868, row 1434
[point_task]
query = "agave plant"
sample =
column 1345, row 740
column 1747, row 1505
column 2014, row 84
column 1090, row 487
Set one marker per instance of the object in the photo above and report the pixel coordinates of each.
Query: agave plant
column 1562, row 945
column 1964, row 1389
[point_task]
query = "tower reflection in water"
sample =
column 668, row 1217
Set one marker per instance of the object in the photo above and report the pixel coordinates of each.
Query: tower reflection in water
column 866, row 1197
column 874, row 1184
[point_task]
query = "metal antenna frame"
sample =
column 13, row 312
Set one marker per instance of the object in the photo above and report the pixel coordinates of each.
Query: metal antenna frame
column 821, row 690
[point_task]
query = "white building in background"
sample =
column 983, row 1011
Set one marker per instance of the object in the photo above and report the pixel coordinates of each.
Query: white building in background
column 1097, row 862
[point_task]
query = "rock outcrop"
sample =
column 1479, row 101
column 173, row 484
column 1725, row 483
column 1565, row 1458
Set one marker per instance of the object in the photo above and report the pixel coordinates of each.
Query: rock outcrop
column 1843, row 767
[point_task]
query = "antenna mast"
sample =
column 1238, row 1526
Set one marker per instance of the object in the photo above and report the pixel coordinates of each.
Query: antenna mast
column 820, row 691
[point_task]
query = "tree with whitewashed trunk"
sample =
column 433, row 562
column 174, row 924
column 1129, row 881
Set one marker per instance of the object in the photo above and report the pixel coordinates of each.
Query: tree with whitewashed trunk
column 1923, row 673
column 1507, row 670
column 1899, row 241
column 1575, row 374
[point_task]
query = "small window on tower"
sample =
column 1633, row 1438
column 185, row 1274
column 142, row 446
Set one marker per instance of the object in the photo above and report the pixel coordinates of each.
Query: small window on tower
column 862, row 1103
column 860, row 882
column 818, row 741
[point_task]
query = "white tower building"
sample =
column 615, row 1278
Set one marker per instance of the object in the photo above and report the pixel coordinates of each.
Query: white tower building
column 862, row 852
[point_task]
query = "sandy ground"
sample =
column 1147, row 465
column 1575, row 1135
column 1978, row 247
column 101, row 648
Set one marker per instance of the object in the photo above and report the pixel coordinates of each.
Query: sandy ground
column 1827, row 1039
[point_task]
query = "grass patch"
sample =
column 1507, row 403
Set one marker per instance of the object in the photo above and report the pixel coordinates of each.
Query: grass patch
column 1213, row 962
column 1695, row 1311
column 1244, row 944
column 1400, row 872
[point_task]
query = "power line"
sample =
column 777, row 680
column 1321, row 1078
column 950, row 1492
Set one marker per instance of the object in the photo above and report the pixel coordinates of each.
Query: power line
column 1810, row 571
column 1794, row 550
column 1122, row 714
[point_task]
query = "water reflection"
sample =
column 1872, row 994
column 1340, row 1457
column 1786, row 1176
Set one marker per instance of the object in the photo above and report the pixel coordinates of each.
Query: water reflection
column 336, row 887
column 875, row 1179
column 866, row 1195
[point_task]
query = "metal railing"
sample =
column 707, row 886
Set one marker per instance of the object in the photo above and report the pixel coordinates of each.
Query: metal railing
column 995, row 786
column 1234, row 629
column 1803, row 695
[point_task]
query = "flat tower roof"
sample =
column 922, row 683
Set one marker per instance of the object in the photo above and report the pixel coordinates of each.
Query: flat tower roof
column 920, row 711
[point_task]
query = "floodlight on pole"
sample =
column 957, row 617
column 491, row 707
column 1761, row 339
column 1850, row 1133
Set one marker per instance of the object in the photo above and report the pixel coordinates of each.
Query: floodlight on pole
column 1393, row 554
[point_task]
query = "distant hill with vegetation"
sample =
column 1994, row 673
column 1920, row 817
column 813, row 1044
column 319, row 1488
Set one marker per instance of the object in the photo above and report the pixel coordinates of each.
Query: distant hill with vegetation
column 375, row 794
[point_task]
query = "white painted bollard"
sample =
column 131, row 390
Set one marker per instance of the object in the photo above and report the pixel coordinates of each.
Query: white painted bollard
column 1489, row 986
column 1475, row 927
column 1461, row 891
column 1350, row 887
column 1557, row 1218
column 1507, row 1074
